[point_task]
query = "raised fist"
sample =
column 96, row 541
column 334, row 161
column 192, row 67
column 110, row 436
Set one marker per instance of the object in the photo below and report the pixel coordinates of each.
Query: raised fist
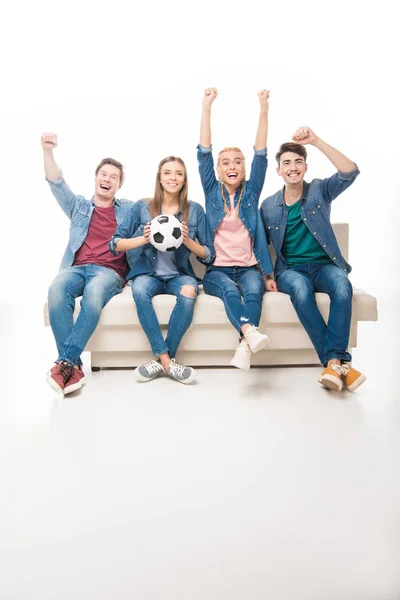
column 209, row 96
column 304, row 135
column 48, row 141
column 263, row 97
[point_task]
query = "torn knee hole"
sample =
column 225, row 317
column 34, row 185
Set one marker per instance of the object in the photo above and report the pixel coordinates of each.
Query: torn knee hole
column 188, row 291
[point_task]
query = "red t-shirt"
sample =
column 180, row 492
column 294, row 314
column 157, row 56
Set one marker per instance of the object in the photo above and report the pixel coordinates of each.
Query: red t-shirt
column 95, row 247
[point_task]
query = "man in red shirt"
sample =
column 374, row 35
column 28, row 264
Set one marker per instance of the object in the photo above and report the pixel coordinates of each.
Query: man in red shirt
column 88, row 268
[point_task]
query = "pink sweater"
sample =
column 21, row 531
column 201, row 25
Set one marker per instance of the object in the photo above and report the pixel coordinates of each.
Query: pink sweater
column 233, row 243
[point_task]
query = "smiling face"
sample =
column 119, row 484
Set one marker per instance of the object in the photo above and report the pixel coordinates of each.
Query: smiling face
column 231, row 167
column 292, row 168
column 107, row 181
column 172, row 176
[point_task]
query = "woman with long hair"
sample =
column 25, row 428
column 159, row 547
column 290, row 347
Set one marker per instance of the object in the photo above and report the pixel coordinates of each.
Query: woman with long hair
column 154, row 272
column 242, row 267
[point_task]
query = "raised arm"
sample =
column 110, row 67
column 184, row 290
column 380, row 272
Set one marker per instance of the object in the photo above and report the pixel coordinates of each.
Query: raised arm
column 262, row 130
column 205, row 127
column 305, row 135
column 51, row 168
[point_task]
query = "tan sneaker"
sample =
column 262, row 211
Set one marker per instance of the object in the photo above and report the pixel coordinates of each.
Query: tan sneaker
column 331, row 378
column 352, row 378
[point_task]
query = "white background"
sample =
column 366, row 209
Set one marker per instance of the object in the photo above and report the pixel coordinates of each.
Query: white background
column 126, row 80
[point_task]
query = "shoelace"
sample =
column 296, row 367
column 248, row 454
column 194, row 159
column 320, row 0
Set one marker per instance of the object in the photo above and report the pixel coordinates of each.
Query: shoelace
column 152, row 367
column 337, row 369
column 345, row 369
column 176, row 368
column 65, row 371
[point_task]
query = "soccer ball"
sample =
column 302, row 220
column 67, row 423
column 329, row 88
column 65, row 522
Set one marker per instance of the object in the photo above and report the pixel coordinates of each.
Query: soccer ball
column 166, row 233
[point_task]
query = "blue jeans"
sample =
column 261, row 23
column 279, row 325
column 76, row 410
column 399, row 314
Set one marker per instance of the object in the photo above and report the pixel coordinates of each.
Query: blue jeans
column 301, row 282
column 97, row 285
column 231, row 284
column 144, row 288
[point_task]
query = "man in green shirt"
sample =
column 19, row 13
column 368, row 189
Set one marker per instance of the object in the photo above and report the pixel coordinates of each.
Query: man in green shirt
column 297, row 221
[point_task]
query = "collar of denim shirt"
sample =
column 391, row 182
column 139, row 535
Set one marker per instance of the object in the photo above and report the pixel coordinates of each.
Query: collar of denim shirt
column 303, row 198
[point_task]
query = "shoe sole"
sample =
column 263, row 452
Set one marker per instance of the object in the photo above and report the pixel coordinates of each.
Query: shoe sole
column 331, row 382
column 356, row 383
column 184, row 381
column 76, row 386
column 261, row 344
column 239, row 365
column 54, row 384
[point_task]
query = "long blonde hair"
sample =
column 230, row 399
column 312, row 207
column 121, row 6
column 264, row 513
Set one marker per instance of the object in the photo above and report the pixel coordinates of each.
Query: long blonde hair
column 155, row 203
column 242, row 183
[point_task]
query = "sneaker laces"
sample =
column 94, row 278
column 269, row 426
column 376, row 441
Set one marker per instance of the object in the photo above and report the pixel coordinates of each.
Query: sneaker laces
column 176, row 368
column 152, row 367
column 65, row 371
column 337, row 369
column 345, row 369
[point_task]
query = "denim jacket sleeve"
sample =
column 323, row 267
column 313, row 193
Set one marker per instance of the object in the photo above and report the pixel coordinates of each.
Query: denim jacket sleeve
column 127, row 228
column 204, row 237
column 332, row 186
column 262, row 210
column 258, row 171
column 206, row 168
column 65, row 197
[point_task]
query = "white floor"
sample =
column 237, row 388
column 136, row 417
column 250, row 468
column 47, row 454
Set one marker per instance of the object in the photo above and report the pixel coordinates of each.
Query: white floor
column 258, row 485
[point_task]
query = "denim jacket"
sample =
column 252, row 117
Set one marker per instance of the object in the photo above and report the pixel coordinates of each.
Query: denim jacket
column 79, row 211
column 142, row 260
column 315, row 211
column 248, row 209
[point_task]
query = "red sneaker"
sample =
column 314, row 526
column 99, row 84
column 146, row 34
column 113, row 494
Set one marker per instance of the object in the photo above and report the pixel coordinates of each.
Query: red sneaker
column 59, row 375
column 75, row 381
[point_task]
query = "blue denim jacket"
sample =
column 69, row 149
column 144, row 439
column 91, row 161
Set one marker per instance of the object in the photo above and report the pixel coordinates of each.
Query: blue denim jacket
column 142, row 260
column 248, row 209
column 79, row 211
column 315, row 211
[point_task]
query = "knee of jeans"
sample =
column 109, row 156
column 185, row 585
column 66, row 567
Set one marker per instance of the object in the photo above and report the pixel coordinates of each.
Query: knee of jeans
column 139, row 289
column 188, row 291
column 301, row 292
column 95, row 299
column 343, row 289
column 56, row 293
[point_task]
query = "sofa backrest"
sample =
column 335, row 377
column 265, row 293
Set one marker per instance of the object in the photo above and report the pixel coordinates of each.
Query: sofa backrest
column 341, row 231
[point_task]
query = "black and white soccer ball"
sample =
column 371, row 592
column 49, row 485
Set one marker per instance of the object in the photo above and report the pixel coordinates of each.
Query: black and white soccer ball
column 166, row 233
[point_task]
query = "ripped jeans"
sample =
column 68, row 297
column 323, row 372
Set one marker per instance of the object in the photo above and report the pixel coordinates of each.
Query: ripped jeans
column 241, row 289
column 144, row 288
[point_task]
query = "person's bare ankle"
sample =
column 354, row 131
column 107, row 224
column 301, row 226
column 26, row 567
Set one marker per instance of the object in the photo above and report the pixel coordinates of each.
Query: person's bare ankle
column 165, row 361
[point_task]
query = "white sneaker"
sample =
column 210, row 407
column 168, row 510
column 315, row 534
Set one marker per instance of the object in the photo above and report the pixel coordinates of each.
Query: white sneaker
column 149, row 371
column 180, row 372
column 256, row 340
column 242, row 357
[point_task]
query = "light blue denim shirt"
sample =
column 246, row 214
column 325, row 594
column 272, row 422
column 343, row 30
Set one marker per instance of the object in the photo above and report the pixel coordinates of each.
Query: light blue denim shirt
column 142, row 260
column 79, row 211
column 315, row 211
column 248, row 209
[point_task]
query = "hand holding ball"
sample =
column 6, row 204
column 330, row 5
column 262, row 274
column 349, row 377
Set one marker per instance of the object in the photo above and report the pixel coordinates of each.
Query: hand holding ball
column 166, row 233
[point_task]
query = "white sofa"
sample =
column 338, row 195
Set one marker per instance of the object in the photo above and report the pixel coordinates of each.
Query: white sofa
column 119, row 340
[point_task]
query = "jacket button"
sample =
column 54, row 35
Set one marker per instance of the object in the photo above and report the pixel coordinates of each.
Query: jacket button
column 334, row 258
column 276, row 227
column 324, row 245
column 315, row 233
column 313, row 212
column 305, row 219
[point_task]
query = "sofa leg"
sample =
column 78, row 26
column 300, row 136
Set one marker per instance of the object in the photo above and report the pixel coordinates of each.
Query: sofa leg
column 95, row 369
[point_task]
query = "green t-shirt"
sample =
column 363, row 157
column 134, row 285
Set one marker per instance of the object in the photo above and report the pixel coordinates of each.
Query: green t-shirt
column 299, row 245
